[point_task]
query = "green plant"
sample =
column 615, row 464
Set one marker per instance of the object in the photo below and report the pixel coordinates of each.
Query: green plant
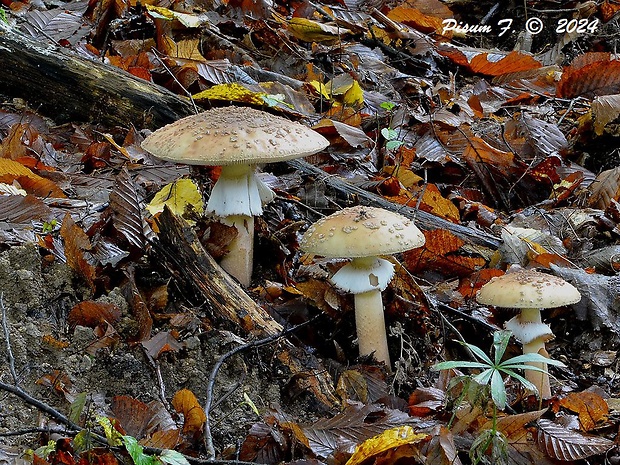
column 391, row 137
column 491, row 377
column 3, row 17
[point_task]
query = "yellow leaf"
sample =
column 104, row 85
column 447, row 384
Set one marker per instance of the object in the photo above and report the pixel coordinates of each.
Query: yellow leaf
column 189, row 21
column 313, row 31
column 178, row 196
column 354, row 96
column 321, row 89
column 112, row 435
column 233, row 92
column 160, row 12
column 389, row 439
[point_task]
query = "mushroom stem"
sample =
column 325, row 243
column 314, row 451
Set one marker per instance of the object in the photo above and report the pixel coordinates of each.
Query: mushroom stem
column 536, row 346
column 371, row 326
column 238, row 262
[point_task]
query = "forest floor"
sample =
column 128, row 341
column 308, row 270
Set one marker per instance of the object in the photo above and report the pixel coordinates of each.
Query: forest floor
column 494, row 127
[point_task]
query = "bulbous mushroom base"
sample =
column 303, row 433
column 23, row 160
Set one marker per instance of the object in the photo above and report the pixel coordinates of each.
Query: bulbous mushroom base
column 238, row 262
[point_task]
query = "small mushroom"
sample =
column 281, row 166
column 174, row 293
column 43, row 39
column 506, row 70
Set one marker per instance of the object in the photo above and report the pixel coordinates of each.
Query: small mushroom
column 530, row 291
column 362, row 234
column 237, row 139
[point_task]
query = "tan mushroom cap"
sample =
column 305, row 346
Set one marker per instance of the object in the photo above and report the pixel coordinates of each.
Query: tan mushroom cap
column 361, row 232
column 528, row 289
column 233, row 135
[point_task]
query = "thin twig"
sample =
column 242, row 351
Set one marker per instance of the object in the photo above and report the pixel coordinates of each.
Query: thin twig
column 9, row 351
column 208, row 437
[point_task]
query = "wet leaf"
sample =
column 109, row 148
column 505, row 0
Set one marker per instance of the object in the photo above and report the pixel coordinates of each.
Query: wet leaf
column 563, row 444
column 605, row 188
column 178, row 196
column 32, row 183
column 127, row 204
column 591, row 74
column 441, row 449
column 605, row 109
column 185, row 402
column 162, row 342
column 591, row 408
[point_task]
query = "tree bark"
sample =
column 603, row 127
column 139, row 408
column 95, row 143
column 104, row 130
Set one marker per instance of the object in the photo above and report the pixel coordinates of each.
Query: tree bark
column 68, row 87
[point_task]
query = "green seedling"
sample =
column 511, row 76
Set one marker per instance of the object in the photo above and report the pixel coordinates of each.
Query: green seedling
column 391, row 137
column 493, row 371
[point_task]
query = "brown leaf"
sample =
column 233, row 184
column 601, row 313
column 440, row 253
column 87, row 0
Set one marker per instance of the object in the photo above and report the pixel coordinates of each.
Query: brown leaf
column 77, row 245
column 263, row 444
column 168, row 439
column 106, row 337
column 352, row 385
column 185, row 402
column 591, row 408
column 489, row 63
column 426, row 401
column 133, row 415
column 138, row 307
column 23, row 209
column 162, row 342
column 599, row 76
column 605, row 188
column 91, row 314
column 441, row 449
column 563, row 444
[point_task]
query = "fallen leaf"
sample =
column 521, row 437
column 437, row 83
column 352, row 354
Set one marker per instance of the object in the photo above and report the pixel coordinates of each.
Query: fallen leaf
column 91, row 314
column 591, row 408
column 389, row 439
column 77, row 246
column 563, row 444
column 185, row 402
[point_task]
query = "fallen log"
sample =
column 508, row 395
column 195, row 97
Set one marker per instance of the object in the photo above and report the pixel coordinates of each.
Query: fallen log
column 187, row 260
column 68, row 87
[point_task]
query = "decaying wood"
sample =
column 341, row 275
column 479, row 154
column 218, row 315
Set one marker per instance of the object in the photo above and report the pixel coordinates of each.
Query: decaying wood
column 188, row 261
column 423, row 219
column 69, row 88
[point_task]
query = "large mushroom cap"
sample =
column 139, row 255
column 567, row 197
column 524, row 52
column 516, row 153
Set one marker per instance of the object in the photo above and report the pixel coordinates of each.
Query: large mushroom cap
column 528, row 289
column 233, row 135
column 361, row 232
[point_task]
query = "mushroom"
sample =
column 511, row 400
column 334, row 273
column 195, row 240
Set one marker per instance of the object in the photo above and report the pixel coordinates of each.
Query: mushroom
column 237, row 139
column 530, row 291
column 362, row 234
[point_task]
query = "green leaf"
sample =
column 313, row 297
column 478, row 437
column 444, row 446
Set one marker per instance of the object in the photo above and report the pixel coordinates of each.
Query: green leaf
column 172, row 457
column 135, row 450
column 393, row 144
column 500, row 343
column 533, row 358
column 76, row 408
column 524, row 382
column 484, row 377
column 498, row 390
column 449, row 365
column 389, row 133
column 478, row 352
column 389, row 106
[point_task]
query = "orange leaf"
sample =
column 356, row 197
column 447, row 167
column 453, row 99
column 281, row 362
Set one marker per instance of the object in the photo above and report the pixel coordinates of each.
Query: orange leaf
column 32, row 183
column 490, row 63
column 591, row 408
column 601, row 77
column 471, row 284
column 442, row 253
column 91, row 314
column 185, row 402
column 416, row 19
column 76, row 245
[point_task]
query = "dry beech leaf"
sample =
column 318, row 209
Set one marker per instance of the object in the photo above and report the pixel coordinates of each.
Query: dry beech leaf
column 389, row 439
column 441, row 449
column 591, row 408
column 442, row 252
column 605, row 109
column 162, row 342
column 425, row 401
column 132, row 414
column 605, row 188
column 600, row 77
column 185, row 402
column 91, row 314
column 352, row 385
column 77, row 245
column 126, row 203
column 263, row 444
column 489, row 63
column 167, row 439
column 32, row 183
column 418, row 20
column 355, row 137
column 23, row 209
column 563, row 444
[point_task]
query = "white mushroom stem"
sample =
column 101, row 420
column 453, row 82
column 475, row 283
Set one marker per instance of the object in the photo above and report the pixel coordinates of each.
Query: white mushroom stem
column 366, row 277
column 529, row 329
column 238, row 195
column 370, row 325
column 239, row 262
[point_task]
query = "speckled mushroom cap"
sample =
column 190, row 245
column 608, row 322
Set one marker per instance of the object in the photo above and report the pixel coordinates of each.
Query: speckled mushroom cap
column 361, row 232
column 233, row 135
column 528, row 289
